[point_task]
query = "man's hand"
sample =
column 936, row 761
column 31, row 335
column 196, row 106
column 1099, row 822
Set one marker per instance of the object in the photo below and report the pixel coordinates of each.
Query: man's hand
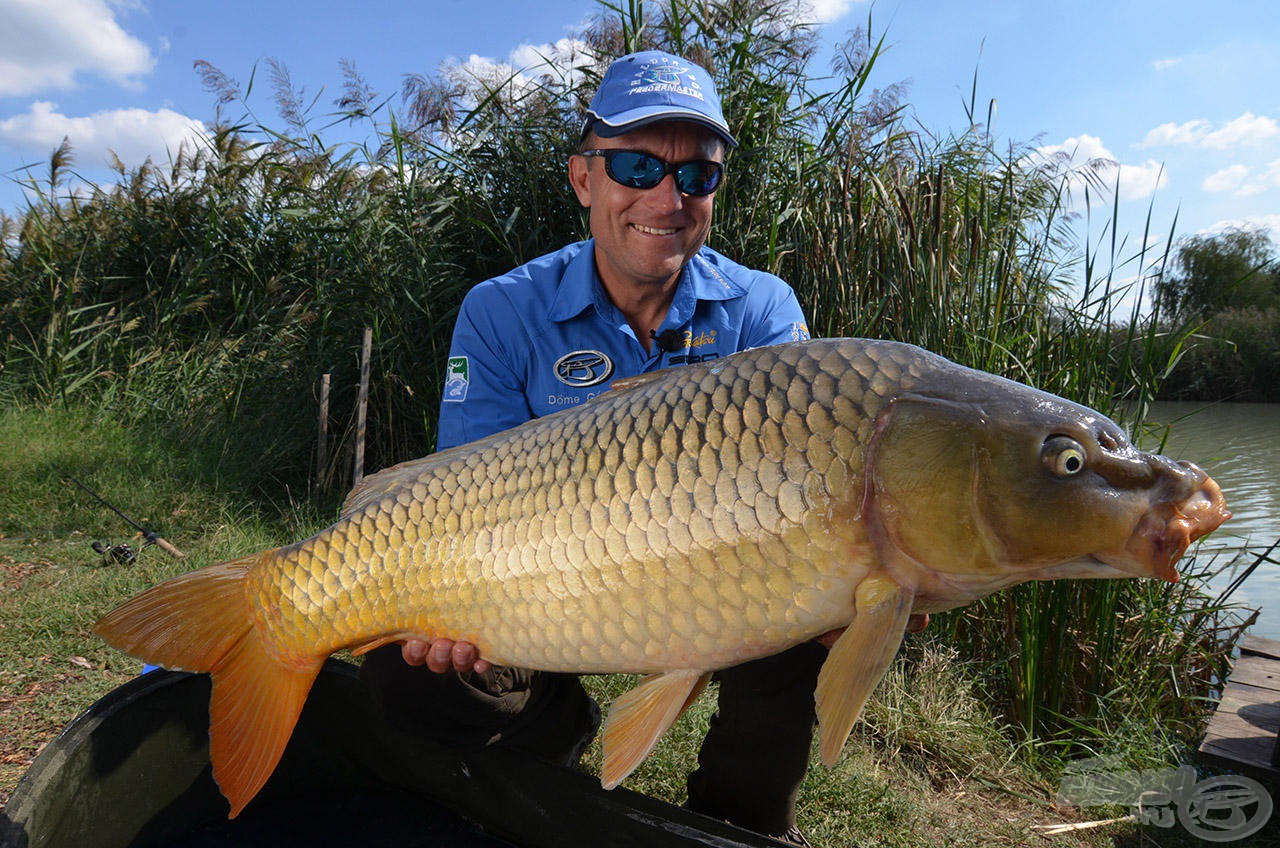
column 915, row 624
column 440, row 655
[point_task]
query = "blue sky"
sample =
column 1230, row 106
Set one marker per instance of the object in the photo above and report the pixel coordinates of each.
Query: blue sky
column 1181, row 95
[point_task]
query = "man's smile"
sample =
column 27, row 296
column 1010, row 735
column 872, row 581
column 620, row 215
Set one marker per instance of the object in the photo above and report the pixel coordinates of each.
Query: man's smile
column 656, row 231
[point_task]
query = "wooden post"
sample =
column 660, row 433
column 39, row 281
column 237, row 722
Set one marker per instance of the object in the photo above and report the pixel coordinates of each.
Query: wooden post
column 322, row 438
column 366, row 352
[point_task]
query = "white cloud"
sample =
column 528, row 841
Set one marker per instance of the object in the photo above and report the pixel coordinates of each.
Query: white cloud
column 132, row 134
column 1086, row 159
column 1166, row 64
column 1269, row 223
column 821, row 11
column 567, row 54
column 1265, row 181
column 1246, row 129
column 1228, row 179
column 1139, row 181
column 44, row 45
column 561, row 63
column 489, row 73
column 1242, row 181
column 1188, row 133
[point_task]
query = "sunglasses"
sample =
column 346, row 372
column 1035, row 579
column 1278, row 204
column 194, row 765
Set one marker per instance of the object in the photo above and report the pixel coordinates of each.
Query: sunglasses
column 634, row 169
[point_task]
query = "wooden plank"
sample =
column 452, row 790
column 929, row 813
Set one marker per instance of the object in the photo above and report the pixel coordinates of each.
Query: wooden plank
column 1248, row 752
column 1256, row 707
column 1257, row 671
column 1243, row 730
column 1228, row 726
column 1257, row 645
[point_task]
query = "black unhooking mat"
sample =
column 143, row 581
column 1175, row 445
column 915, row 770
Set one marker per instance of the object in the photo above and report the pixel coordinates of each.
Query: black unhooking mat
column 133, row 772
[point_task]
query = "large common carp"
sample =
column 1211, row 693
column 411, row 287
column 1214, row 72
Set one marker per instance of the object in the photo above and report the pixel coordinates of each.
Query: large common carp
column 687, row 521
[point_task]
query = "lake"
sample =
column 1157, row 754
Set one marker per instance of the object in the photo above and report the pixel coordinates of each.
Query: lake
column 1239, row 445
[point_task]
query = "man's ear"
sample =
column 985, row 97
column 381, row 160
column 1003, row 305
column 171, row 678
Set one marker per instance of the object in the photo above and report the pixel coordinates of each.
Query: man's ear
column 580, row 179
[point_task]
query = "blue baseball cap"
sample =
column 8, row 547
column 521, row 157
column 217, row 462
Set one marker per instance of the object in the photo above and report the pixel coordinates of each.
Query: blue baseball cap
column 652, row 86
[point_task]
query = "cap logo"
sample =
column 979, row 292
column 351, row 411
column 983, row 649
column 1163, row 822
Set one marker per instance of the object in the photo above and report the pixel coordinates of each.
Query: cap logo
column 665, row 75
column 583, row 368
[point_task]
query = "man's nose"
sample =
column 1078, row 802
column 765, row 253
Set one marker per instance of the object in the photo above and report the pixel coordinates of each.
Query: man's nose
column 666, row 196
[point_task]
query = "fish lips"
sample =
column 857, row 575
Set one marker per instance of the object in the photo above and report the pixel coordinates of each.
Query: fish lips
column 1168, row 528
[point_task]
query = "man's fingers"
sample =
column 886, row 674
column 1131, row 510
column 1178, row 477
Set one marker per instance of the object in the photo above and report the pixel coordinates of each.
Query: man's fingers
column 440, row 656
column 463, row 656
column 466, row 657
column 414, row 652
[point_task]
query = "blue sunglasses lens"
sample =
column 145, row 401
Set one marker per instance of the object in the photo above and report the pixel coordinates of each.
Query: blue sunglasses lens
column 637, row 170
column 698, row 178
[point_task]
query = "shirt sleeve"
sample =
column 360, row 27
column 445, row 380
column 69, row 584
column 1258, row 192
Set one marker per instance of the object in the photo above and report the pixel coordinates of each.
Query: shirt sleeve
column 484, row 388
column 773, row 315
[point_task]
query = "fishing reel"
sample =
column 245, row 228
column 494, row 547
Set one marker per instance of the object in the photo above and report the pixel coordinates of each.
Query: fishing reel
column 121, row 554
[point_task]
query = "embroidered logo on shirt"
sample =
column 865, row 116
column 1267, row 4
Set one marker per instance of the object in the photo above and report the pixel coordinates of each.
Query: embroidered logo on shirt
column 799, row 332
column 456, row 379
column 706, row 337
column 583, row 368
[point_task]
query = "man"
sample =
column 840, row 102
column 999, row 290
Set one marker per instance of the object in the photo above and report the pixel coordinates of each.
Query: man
column 642, row 294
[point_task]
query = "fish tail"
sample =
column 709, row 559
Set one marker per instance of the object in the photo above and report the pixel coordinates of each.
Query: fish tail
column 203, row 621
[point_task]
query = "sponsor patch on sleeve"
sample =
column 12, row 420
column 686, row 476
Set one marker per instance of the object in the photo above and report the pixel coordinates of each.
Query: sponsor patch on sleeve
column 457, row 376
column 799, row 331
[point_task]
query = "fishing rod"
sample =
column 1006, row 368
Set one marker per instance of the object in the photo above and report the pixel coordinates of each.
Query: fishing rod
column 122, row 553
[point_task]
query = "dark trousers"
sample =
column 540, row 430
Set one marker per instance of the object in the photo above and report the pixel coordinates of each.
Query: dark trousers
column 750, row 767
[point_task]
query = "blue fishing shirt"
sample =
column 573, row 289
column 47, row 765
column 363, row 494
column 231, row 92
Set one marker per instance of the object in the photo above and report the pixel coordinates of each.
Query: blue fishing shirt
column 545, row 337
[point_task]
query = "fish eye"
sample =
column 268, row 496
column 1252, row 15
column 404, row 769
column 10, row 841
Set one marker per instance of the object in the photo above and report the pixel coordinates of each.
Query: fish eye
column 1063, row 456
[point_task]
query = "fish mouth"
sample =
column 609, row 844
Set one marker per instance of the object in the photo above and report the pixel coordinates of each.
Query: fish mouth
column 1168, row 528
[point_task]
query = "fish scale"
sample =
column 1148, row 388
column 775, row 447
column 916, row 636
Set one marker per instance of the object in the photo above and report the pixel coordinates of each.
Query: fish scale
column 685, row 521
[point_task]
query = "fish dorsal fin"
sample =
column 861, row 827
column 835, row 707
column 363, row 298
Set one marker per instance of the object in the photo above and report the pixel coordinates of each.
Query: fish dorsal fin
column 377, row 486
column 639, row 718
column 858, row 660
column 626, row 384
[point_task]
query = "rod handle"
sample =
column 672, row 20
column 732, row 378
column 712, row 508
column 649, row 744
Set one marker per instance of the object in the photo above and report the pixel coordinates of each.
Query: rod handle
column 169, row 549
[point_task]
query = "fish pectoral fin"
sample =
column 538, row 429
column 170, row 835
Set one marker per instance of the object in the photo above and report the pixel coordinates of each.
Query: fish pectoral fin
column 858, row 660
column 388, row 639
column 639, row 718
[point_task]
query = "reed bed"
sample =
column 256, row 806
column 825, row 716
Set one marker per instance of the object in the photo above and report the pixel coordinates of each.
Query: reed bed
column 209, row 295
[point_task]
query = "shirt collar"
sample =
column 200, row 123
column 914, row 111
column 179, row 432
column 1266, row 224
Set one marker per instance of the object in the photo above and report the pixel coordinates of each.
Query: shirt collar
column 580, row 287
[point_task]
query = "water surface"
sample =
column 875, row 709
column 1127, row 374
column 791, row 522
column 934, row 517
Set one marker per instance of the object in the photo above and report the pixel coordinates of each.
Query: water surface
column 1239, row 445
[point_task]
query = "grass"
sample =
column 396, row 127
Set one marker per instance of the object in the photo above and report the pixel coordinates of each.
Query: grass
column 53, row 586
column 931, row 762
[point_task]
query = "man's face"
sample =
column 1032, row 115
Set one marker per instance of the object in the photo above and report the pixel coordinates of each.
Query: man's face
column 645, row 236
